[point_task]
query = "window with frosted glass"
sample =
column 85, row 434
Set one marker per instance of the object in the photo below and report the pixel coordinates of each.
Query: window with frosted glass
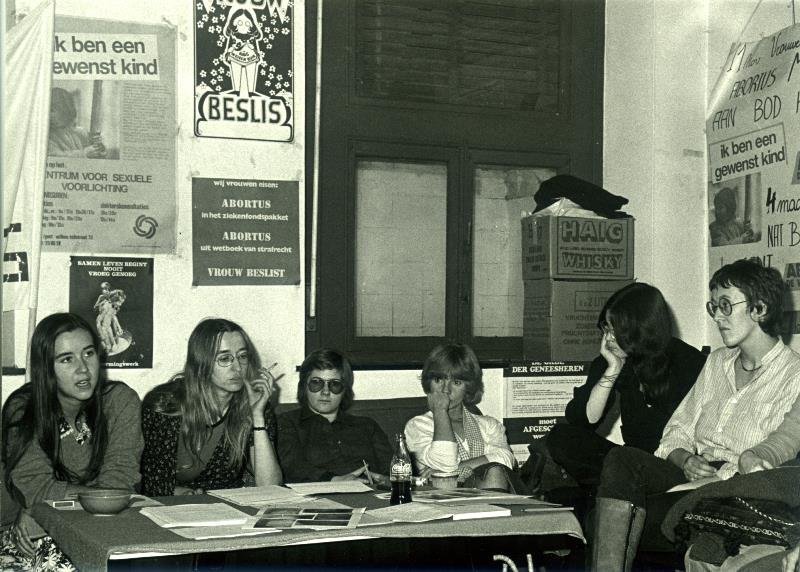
column 502, row 194
column 401, row 221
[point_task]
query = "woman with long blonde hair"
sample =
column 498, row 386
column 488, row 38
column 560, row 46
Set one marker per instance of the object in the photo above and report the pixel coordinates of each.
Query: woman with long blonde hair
column 211, row 425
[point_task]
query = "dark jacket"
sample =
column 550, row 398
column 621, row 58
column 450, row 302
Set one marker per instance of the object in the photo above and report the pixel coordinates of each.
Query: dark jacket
column 642, row 423
column 310, row 448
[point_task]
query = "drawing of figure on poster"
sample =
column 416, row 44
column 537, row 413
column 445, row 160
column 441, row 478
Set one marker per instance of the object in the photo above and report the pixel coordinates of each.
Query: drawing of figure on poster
column 80, row 122
column 242, row 52
column 113, row 336
column 736, row 208
column 244, row 70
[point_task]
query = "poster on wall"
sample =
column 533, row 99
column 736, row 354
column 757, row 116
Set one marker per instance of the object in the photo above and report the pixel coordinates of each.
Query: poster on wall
column 245, row 232
column 244, row 85
column 753, row 135
column 116, row 295
column 535, row 397
column 110, row 177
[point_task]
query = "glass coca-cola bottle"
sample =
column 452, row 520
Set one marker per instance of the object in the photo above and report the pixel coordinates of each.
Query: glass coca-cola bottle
column 400, row 472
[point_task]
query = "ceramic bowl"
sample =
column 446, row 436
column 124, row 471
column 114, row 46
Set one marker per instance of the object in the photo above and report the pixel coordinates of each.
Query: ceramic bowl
column 104, row 501
column 445, row 481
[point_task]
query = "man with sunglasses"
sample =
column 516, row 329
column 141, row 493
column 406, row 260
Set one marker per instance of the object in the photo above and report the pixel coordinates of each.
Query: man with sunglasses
column 321, row 441
column 740, row 416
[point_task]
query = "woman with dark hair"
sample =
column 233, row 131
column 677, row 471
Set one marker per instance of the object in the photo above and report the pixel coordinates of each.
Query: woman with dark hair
column 211, row 425
column 742, row 415
column 320, row 441
column 65, row 431
column 453, row 436
column 644, row 364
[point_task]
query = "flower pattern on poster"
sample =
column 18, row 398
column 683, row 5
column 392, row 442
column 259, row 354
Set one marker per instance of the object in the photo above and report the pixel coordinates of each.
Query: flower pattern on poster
column 244, row 86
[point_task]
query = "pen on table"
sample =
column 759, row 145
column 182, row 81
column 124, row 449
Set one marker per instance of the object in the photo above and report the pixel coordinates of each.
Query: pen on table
column 366, row 472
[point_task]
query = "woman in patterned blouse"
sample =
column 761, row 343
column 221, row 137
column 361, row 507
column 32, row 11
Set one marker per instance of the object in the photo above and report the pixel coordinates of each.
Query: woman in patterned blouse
column 211, row 425
column 66, row 431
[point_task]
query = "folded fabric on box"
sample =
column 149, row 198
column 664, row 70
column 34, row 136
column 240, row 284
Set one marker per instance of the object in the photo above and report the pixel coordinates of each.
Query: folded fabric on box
column 582, row 192
column 766, row 512
column 731, row 522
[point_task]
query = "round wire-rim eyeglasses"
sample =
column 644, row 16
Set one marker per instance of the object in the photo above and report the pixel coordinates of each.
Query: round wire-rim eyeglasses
column 724, row 305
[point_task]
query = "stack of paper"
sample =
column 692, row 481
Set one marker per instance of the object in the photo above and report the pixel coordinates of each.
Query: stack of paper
column 191, row 515
column 329, row 487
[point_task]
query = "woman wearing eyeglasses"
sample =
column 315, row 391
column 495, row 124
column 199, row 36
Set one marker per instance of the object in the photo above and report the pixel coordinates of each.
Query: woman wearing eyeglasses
column 453, row 436
column 320, row 441
column 211, row 425
column 740, row 416
column 644, row 364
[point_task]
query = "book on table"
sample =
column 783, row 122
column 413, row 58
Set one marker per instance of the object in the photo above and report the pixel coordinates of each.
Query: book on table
column 192, row 515
column 463, row 495
column 476, row 510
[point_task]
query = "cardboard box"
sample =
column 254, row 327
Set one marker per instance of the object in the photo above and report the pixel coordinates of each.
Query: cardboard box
column 560, row 318
column 577, row 248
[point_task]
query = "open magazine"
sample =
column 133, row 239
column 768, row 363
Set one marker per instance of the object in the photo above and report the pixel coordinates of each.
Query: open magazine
column 315, row 518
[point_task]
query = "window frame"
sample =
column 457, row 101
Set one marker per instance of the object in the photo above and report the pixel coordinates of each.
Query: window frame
column 495, row 348
column 569, row 140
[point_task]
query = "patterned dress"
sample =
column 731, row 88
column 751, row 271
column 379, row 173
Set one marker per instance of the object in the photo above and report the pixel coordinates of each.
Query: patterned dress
column 162, row 433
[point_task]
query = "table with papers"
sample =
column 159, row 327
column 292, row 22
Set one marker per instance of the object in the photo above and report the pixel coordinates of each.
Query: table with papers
column 97, row 542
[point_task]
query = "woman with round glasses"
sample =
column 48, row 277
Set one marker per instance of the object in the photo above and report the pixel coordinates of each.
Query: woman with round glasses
column 66, row 431
column 211, row 425
column 453, row 436
column 320, row 441
column 640, row 361
column 740, row 416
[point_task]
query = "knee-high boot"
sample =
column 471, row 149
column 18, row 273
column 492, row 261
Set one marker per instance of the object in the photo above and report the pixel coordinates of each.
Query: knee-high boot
column 617, row 528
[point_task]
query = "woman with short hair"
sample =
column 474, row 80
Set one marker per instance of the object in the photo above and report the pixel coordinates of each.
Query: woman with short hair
column 453, row 436
column 321, row 441
column 66, row 431
column 211, row 425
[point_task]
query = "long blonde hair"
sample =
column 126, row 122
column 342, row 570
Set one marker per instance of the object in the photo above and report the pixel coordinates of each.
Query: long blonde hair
column 198, row 404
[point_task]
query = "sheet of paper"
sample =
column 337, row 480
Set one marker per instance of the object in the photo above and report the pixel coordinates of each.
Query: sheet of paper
column 257, row 496
column 696, row 484
column 193, row 515
column 205, row 532
column 408, row 512
column 329, row 487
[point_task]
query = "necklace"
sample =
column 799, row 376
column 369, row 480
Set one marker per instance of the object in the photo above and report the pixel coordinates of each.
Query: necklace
column 754, row 368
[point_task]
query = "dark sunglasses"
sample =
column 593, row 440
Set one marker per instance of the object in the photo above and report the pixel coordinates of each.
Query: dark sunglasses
column 335, row 386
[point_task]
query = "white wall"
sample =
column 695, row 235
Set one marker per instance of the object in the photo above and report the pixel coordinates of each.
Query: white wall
column 739, row 21
column 655, row 91
column 654, row 144
column 273, row 316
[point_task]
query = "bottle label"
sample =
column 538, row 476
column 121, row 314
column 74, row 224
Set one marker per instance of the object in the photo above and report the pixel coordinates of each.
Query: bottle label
column 400, row 470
